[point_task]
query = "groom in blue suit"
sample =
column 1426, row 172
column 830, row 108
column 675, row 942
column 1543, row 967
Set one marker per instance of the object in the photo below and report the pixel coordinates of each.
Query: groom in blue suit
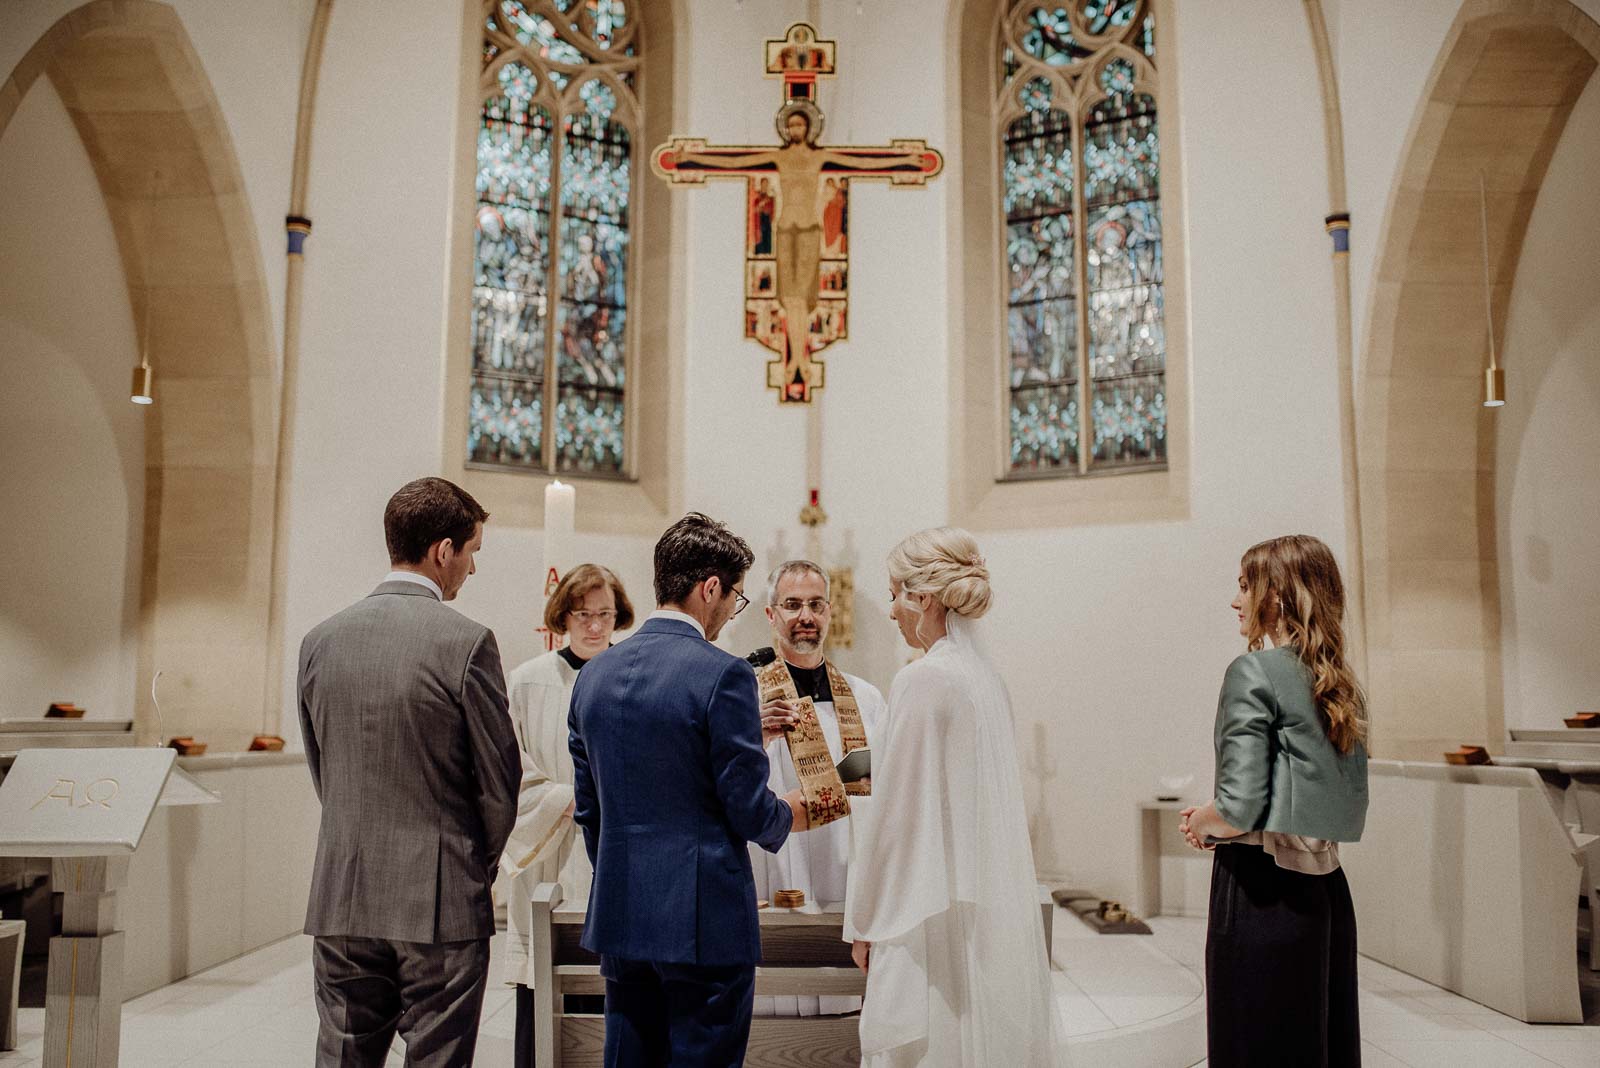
column 671, row 783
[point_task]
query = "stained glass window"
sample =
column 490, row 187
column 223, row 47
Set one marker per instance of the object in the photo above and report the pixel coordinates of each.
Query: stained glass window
column 550, row 278
column 1086, row 371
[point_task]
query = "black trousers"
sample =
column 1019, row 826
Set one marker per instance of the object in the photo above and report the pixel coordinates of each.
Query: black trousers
column 1280, row 966
column 522, row 1055
column 367, row 988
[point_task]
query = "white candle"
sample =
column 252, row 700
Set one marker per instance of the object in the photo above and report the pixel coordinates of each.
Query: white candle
column 560, row 510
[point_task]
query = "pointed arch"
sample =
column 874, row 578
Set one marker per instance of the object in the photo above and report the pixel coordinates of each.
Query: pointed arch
column 1496, row 102
column 156, row 137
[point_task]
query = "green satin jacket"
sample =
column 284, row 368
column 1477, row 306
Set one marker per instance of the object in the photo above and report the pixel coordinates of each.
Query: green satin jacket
column 1276, row 768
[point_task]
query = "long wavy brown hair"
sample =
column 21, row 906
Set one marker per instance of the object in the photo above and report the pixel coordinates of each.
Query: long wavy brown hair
column 1294, row 580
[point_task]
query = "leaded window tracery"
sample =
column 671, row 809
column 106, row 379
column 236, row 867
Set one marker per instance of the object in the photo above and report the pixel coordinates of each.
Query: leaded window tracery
column 1080, row 158
column 551, row 281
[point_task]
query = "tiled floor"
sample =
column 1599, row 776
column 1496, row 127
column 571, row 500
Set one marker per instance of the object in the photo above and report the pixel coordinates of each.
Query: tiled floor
column 258, row 1011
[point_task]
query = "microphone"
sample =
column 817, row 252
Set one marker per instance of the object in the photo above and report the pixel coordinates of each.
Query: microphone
column 161, row 727
column 762, row 657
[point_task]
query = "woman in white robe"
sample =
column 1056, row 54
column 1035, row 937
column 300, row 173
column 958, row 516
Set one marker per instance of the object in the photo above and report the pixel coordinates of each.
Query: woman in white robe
column 943, row 903
column 588, row 606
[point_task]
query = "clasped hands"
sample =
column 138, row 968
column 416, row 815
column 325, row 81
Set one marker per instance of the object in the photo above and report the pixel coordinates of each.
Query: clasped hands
column 1199, row 821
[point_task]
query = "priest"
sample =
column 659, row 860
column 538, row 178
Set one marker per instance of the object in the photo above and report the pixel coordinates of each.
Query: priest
column 847, row 709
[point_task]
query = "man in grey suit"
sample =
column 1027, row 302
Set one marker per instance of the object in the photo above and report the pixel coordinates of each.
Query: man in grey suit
column 412, row 752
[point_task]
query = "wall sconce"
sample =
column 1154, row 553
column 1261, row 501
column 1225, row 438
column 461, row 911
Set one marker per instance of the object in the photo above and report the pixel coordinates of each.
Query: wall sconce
column 1494, row 377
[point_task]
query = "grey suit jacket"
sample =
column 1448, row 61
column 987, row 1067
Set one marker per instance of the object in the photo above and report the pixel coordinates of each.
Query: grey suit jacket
column 403, row 710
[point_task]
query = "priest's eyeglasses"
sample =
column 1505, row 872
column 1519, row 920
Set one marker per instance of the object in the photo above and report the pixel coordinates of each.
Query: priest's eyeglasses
column 791, row 607
column 582, row 618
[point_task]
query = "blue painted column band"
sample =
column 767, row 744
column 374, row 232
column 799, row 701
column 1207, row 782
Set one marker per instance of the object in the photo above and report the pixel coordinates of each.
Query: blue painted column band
column 1338, row 227
column 299, row 228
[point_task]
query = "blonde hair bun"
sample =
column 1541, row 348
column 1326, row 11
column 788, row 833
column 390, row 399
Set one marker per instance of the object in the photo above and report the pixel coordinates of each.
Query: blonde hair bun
column 944, row 562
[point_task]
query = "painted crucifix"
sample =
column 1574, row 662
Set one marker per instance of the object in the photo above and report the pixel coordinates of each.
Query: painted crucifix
column 797, row 232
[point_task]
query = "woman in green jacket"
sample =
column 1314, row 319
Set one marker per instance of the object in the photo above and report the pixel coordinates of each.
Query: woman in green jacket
column 1291, row 779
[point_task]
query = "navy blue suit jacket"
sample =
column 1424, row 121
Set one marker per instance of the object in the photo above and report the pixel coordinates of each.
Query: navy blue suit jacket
column 670, row 780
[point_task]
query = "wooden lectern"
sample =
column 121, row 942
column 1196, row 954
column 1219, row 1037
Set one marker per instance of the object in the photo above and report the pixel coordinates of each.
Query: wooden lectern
column 87, row 810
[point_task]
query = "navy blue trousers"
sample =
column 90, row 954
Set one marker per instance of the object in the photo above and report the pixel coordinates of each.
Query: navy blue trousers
column 676, row 1014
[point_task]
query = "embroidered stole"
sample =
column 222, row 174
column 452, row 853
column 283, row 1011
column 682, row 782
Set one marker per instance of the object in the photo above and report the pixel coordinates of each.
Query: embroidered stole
column 824, row 794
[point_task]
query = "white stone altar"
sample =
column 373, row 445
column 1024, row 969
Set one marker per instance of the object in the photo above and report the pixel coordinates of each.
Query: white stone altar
column 1467, row 878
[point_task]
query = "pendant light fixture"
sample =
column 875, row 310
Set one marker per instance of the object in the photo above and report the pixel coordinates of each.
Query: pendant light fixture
column 1494, row 377
column 143, row 376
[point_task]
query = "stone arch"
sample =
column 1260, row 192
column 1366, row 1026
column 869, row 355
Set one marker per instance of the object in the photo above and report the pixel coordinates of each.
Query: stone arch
column 1496, row 102
column 160, row 148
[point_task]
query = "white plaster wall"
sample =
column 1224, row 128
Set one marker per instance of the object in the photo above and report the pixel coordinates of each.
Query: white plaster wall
column 1547, row 467
column 253, row 54
column 71, row 445
column 885, row 405
column 368, row 410
column 370, row 404
column 1114, row 637
column 1385, row 54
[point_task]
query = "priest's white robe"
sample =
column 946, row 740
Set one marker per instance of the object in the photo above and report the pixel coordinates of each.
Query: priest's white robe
column 814, row 861
column 543, row 847
column 942, row 881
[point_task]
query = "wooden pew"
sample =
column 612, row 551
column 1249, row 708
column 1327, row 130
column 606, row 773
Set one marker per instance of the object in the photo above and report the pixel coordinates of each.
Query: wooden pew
column 802, row 953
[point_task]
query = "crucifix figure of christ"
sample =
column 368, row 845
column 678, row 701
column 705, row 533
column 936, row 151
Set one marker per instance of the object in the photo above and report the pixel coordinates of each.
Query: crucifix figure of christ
column 797, row 256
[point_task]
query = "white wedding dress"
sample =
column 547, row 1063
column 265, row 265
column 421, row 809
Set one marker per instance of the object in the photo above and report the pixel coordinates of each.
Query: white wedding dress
column 942, row 881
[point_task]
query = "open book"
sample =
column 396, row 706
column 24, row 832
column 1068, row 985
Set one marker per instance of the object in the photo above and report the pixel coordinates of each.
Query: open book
column 856, row 765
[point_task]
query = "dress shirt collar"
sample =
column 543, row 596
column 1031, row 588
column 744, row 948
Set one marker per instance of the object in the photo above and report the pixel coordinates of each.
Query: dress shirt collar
column 681, row 617
column 420, row 580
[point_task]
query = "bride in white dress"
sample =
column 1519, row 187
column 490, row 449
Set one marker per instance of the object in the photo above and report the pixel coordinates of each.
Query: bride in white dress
column 943, row 904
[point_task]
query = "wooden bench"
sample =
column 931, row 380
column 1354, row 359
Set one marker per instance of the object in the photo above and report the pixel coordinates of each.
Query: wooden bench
column 11, row 938
column 802, row 953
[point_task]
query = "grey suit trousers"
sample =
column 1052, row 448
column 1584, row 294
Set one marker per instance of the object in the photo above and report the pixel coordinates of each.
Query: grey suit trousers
column 367, row 988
